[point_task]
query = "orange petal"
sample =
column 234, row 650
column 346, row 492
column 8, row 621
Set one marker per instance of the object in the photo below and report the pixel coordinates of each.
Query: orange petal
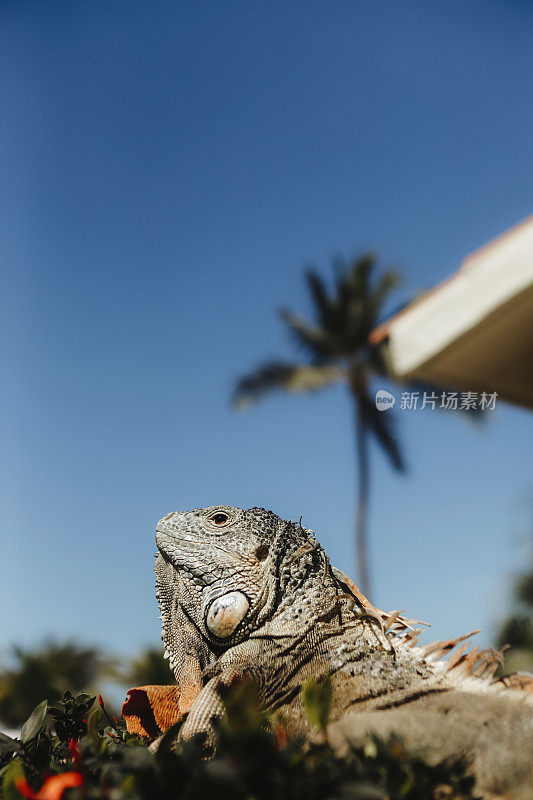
column 53, row 787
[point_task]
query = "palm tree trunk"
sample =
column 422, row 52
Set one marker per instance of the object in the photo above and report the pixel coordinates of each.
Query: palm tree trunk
column 363, row 488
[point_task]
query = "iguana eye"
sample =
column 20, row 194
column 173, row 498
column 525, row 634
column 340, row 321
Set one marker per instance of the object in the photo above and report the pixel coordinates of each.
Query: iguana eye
column 219, row 519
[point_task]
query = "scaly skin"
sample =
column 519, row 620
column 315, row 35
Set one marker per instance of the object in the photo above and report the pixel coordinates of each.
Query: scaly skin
column 247, row 593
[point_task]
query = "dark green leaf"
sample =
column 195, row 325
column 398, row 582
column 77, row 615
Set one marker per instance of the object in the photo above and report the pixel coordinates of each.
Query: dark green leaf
column 34, row 723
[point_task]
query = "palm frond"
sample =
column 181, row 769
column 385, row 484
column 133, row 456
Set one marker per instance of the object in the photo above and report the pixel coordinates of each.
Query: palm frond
column 382, row 425
column 353, row 318
column 388, row 281
column 319, row 296
column 367, row 301
column 313, row 339
column 379, row 360
column 360, row 274
column 281, row 376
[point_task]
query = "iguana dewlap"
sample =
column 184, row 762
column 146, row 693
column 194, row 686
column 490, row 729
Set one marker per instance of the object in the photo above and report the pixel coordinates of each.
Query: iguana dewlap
column 245, row 593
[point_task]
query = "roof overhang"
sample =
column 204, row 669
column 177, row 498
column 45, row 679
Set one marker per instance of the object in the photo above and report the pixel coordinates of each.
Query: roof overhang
column 474, row 331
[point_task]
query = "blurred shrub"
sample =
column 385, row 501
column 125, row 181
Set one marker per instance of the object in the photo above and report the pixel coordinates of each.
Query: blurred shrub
column 93, row 756
column 148, row 668
column 517, row 629
column 46, row 672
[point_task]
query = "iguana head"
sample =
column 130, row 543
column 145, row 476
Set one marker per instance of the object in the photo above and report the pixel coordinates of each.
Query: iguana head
column 233, row 568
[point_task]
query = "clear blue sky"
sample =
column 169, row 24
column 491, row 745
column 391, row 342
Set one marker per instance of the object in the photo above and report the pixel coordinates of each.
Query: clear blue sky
column 167, row 170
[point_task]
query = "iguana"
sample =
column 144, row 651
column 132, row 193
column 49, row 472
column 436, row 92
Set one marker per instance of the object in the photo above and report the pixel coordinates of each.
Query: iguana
column 245, row 593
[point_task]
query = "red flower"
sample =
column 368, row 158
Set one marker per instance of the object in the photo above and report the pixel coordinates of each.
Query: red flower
column 75, row 754
column 52, row 788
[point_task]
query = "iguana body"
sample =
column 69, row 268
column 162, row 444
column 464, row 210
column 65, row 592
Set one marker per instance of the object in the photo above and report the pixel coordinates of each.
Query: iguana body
column 246, row 593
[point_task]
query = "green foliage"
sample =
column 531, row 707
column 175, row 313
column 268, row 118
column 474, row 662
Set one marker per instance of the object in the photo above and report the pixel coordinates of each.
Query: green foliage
column 34, row 722
column 70, row 715
column 10, row 774
column 316, row 699
column 148, row 668
column 243, row 714
column 517, row 629
column 254, row 760
column 524, row 589
column 47, row 672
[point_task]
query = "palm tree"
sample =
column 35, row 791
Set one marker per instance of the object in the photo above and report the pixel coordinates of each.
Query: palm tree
column 337, row 349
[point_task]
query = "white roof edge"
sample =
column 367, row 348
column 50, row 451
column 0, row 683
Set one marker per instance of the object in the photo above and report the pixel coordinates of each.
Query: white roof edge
column 488, row 279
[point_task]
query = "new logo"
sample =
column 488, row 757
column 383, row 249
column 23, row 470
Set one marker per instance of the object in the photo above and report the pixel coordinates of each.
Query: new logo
column 384, row 400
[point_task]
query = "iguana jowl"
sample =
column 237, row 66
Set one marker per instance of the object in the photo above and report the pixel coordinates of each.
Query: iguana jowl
column 243, row 592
